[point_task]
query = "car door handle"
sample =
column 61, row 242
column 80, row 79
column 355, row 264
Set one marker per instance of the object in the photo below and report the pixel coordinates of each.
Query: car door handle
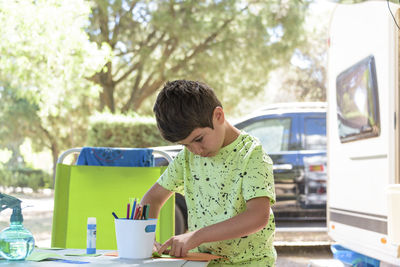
column 283, row 167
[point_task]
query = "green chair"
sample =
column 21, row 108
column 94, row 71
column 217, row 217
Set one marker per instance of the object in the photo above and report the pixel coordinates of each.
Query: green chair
column 97, row 191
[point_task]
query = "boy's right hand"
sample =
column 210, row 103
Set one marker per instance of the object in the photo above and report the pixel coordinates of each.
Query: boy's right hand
column 156, row 246
column 181, row 244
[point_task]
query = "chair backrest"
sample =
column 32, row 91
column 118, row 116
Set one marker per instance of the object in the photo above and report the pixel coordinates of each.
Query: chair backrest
column 97, row 191
column 110, row 156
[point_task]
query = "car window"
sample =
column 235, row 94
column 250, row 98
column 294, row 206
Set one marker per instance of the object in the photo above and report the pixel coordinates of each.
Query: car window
column 274, row 134
column 315, row 133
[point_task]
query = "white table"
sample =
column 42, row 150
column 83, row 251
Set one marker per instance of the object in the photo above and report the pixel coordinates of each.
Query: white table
column 103, row 260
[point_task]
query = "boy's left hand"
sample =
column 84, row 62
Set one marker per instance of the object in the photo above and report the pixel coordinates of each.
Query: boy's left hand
column 180, row 244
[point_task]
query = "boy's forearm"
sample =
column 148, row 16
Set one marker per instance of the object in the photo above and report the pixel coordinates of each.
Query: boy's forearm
column 156, row 196
column 238, row 226
column 243, row 224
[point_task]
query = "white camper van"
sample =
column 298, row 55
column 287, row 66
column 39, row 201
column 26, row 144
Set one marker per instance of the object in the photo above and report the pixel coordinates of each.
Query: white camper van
column 363, row 209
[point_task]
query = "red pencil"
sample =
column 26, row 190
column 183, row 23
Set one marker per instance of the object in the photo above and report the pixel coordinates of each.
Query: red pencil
column 137, row 213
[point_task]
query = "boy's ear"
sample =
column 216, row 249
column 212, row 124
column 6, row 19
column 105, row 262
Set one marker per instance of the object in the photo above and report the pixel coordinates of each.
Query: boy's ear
column 219, row 115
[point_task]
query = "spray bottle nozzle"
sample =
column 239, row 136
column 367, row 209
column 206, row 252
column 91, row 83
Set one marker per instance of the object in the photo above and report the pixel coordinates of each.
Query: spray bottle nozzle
column 7, row 201
column 16, row 215
column 13, row 203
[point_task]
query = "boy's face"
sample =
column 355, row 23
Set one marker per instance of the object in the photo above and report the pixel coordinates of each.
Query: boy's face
column 206, row 142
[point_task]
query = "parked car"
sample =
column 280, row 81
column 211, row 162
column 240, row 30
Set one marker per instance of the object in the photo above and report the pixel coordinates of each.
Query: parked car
column 294, row 136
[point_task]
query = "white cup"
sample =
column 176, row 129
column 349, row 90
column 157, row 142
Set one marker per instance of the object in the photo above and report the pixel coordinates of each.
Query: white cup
column 135, row 238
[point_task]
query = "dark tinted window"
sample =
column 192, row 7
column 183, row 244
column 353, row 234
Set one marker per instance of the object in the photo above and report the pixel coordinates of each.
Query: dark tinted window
column 315, row 133
column 274, row 134
column 357, row 101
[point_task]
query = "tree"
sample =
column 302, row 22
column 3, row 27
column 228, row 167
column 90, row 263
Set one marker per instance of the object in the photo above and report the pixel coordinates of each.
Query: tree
column 305, row 76
column 232, row 45
column 45, row 57
column 15, row 115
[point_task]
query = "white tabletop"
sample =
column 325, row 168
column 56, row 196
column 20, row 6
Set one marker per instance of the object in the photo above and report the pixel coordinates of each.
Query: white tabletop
column 102, row 260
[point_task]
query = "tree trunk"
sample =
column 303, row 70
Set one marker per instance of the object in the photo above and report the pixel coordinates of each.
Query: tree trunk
column 105, row 80
column 107, row 98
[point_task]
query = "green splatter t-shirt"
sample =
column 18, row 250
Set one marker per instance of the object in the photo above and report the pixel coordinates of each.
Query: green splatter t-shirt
column 217, row 188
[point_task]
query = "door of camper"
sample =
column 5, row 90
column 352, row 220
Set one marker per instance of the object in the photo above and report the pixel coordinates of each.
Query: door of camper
column 363, row 135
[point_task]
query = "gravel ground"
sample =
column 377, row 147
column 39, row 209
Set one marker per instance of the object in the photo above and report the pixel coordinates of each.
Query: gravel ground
column 294, row 249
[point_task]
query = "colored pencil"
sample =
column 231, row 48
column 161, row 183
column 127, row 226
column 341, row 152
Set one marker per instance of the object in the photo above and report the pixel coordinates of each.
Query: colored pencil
column 133, row 209
column 128, row 208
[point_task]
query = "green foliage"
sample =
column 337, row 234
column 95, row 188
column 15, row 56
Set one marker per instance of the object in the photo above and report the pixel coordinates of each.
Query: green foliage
column 25, row 177
column 231, row 45
column 304, row 77
column 56, row 61
column 44, row 62
column 18, row 113
column 108, row 130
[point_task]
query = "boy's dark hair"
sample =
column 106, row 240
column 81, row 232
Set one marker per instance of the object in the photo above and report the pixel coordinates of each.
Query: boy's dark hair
column 183, row 106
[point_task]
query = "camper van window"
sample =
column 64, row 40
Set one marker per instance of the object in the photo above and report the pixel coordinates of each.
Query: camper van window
column 274, row 134
column 357, row 101
column 315, row 133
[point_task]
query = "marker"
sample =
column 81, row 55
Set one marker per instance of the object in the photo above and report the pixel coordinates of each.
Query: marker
column 115, row 215
column 143, row 217
column 147, row 212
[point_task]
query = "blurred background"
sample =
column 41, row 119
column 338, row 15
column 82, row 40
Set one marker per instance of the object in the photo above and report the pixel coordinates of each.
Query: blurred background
column 86, row 73
column 76, row 73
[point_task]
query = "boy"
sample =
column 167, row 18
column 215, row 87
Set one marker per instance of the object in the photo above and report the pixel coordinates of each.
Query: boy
column 225, row 175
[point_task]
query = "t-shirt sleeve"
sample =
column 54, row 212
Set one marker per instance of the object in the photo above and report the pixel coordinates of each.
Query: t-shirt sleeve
column 172, row 178
column 259, row 178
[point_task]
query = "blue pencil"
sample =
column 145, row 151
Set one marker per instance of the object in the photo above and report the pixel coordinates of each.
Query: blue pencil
column 133, row 209
column 115, row 215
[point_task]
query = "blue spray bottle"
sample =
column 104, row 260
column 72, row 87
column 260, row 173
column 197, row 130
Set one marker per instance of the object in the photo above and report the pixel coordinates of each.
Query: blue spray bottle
column 16, row 242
